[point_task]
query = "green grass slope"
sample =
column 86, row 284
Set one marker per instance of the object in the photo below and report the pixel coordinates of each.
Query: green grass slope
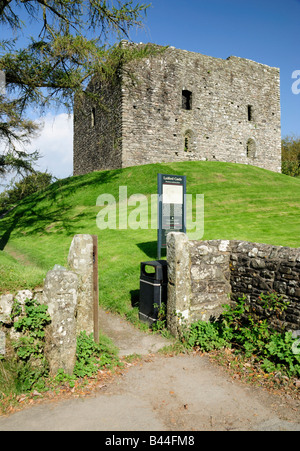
column 240, row 202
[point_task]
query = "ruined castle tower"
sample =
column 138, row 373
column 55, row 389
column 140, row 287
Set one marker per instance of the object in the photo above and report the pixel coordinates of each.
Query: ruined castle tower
column 182, row 106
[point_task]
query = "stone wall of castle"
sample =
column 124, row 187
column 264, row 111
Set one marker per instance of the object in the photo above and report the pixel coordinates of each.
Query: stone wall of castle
column 182, row 106
column 188, row 106
column 98, row 129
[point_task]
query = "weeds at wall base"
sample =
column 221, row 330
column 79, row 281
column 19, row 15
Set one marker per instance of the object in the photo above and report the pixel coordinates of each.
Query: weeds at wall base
column 60, row 389
column 246, row 344
column 248, row 372
column 24, row 372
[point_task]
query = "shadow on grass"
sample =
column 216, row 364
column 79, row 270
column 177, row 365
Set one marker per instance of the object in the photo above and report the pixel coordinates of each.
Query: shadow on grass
column 33, row 220
column 149, row 248
column 135, row 298
column 7, row 232
column 37, row 211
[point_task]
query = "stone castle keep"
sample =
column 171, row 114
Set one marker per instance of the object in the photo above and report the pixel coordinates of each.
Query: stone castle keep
column 182, row 106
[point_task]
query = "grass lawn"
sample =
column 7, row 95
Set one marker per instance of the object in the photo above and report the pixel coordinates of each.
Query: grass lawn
column 240, row 202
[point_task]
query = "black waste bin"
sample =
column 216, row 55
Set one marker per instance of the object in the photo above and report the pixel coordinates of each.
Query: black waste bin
column 153, row 289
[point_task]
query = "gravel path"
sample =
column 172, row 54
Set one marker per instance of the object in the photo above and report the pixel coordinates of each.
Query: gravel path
column 162, row 393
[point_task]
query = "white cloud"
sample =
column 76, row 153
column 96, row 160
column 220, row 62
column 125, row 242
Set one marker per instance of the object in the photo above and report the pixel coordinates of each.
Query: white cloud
column 55, row 145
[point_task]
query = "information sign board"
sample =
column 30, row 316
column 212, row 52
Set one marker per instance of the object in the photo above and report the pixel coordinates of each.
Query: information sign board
column 171, row 207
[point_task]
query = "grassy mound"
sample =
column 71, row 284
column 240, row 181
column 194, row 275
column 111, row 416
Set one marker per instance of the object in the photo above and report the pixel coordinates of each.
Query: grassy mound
column 241, row 202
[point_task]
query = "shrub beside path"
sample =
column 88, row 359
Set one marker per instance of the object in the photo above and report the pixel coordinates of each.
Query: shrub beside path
column 162, row 393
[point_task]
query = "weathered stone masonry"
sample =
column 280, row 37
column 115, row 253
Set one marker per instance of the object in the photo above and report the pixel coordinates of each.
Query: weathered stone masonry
column 262, row 268
column 203, row 275
column 98, row 131
column 69, row 295
column 182, row 106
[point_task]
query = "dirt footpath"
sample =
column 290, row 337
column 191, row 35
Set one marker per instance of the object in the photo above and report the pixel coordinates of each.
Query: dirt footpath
column 162, row 393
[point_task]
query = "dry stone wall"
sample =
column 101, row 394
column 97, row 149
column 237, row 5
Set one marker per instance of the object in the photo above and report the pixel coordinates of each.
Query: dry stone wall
column 216, row 271
column 263, row 268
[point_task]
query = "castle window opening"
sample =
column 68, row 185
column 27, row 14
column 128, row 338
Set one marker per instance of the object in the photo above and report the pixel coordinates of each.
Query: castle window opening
column 250, row 113
column 93, row 117
column 251, row 148
column 186, row 100
column 186, row 144
column 188, row 140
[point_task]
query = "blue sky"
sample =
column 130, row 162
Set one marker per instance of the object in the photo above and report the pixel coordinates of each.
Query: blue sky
column 266, row 31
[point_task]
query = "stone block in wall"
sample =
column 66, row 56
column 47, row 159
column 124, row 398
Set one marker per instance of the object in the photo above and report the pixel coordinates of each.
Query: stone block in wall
column 2, row 342
column 7, row 301
column 8, row 332
column 179, row 282
column 210, row 278
column 81, row 261
column 6, row 304
column 60, row 294
column 199, row 277
column 23, row 295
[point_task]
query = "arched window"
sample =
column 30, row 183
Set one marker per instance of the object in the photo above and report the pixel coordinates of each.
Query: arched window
column 186, row 144
column 188, row 141
column 251, row 148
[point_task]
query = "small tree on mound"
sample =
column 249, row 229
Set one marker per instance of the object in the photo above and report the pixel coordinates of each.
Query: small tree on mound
column 291, row 156
column 23, row 188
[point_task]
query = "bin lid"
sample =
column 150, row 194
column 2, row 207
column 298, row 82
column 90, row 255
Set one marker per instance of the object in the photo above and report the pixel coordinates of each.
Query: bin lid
column 155, row 263
column 160, row 269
